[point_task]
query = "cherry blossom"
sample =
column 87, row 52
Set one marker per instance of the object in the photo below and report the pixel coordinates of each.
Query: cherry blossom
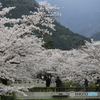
column 19, row 47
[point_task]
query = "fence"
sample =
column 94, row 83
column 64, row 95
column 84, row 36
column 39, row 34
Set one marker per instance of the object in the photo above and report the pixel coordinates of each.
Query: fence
column 60, row 93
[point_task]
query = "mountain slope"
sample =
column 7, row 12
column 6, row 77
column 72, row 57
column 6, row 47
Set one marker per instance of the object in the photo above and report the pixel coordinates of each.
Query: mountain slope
column 65, row 39
column 96, row 36
column 62, row 38
column 22, row 7
column 81, row 16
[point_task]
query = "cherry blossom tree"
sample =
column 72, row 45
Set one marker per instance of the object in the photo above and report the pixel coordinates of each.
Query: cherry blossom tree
column 73, row 65
column 93, row 52
column 19, row 47
column 92, row 57
column 76, row 64
column 22, row 56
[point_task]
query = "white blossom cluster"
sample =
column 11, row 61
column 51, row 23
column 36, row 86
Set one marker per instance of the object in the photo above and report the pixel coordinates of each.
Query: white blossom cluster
column 5, row 10
column 23, row 58
column 7, row 90
column 72, row 65
column 18, row 48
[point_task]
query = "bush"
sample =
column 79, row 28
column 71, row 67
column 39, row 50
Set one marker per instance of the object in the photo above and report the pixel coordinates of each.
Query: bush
column 13, row 97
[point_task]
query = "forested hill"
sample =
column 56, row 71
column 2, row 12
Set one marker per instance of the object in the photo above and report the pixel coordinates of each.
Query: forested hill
column 65, row 39
column 62, row 38
column 22, row 7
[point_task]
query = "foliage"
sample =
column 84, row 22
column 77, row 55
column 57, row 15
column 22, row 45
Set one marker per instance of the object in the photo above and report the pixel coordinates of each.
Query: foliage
column 22, row 57
column 16, row 43
column 70, row 84
column 92, row 85
column 65, row 39
column 22, row 7
column 93, row 53
column 75, row 84
column 48, row 44
column 12, row 97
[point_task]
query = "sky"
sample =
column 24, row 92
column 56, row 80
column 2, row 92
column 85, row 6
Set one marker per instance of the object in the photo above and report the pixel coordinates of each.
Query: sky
column 78, row 14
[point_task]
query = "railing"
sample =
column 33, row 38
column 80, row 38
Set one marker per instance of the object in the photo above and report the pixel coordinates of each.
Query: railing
column 60, row 89
column 60, row 93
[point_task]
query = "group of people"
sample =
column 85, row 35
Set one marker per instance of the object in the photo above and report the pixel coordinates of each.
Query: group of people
column 86, row 83
column 97, row 84
column 58, row 81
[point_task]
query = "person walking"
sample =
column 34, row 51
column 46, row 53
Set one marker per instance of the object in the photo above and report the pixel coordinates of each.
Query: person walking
column 48, row 81
column 86, row 84
column 98, row 84
column 58, row 83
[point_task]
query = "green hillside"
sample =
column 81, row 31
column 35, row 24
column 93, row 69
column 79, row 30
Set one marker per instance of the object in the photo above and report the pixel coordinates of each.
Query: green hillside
column 65, row 39
column 22, row 7
column 62, row 38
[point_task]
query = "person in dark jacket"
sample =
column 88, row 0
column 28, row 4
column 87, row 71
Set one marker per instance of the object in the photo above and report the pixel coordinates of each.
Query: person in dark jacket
column 98, row 84
column 86, row 84
column 4, row 81
column 48, row 81
column 58, row 83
